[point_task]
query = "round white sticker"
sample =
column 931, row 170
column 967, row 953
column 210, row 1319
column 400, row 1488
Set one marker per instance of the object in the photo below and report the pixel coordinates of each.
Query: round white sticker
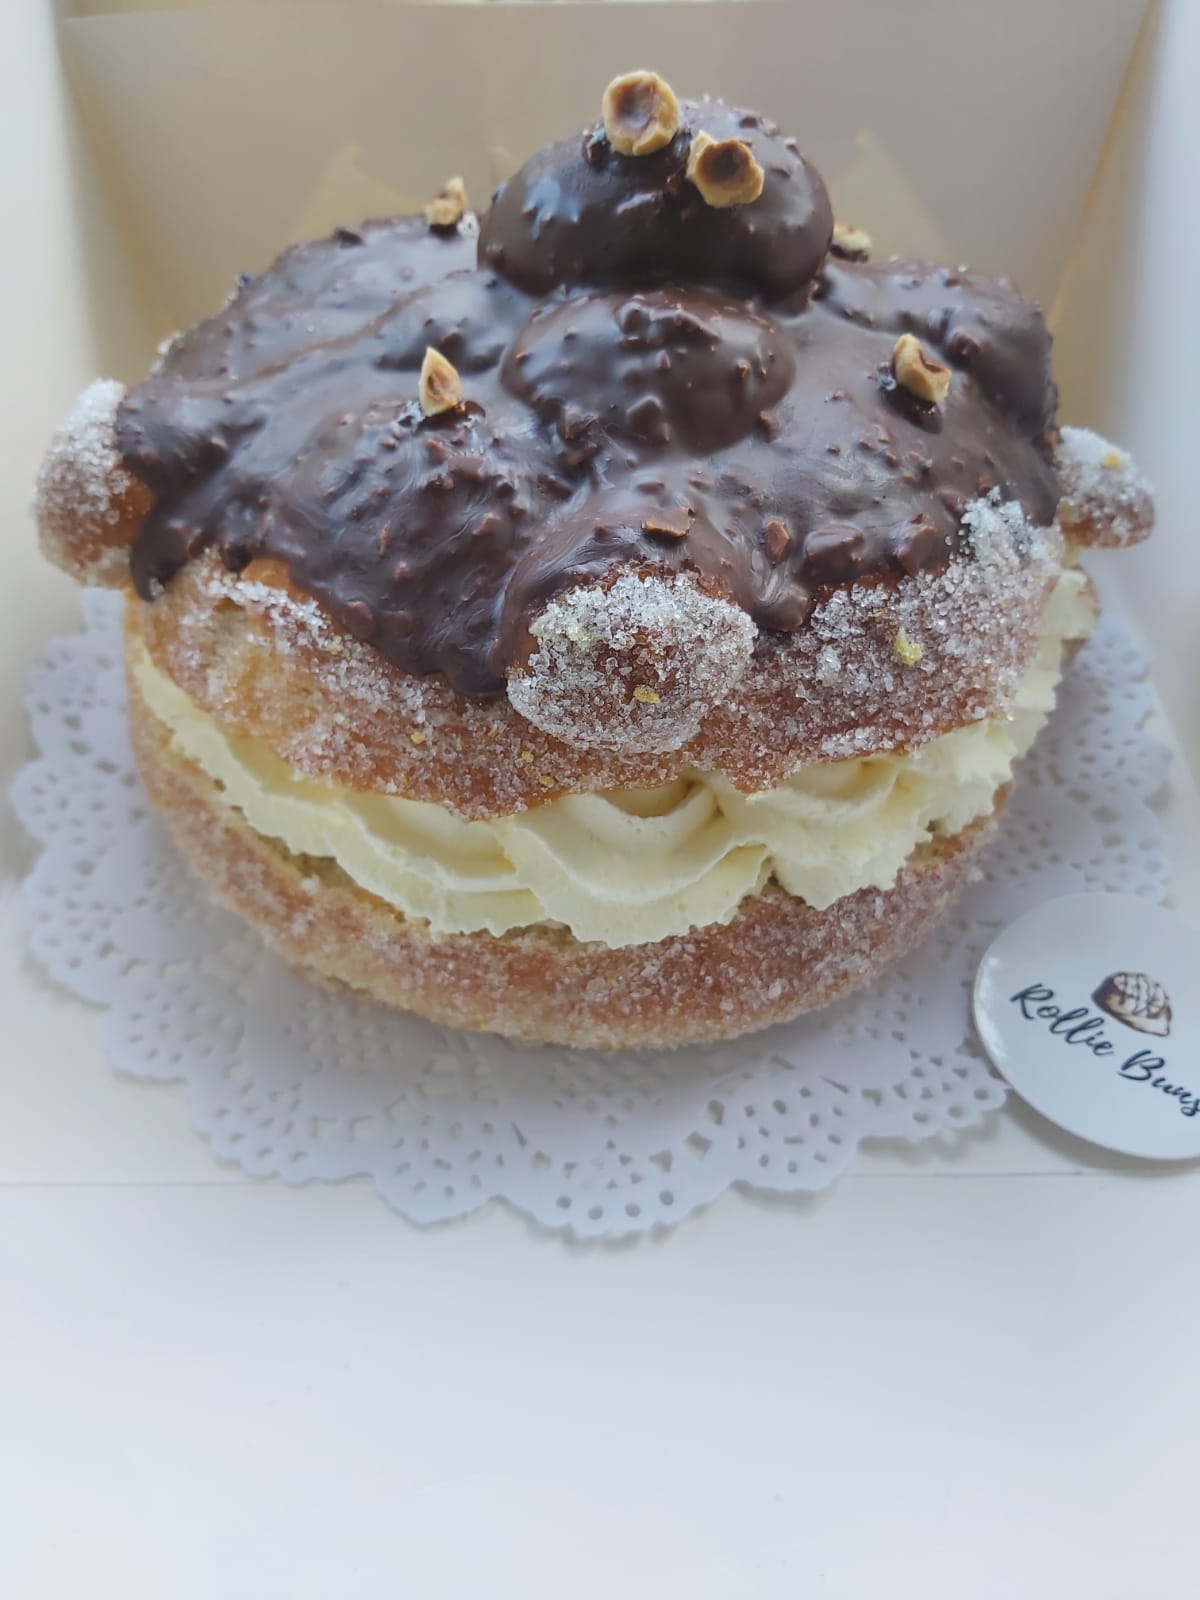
column 1090, row 1008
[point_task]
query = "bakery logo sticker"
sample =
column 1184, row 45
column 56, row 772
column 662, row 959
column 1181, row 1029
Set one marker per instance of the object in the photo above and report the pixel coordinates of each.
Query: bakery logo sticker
column 1136, row 1000
column 1143, row 1005
column 1117, row 1060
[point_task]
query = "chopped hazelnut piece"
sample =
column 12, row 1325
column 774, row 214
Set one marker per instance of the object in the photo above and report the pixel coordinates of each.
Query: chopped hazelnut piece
column 646, row 697
column 724, row 171
column 906, row 649
column 440, row 386
column 778, row 538
column 917, row 373
column 671, row 523
column 417, row 736
column 641, row 113
column 448, row 206
column 851, row 243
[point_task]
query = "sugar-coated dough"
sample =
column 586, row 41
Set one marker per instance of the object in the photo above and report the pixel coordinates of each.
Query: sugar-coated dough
column 86, row 504
column 632, row 666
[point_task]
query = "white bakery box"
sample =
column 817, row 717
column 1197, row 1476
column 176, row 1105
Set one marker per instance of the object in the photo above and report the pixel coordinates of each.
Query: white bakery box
column 147, row 156
column 151, row 155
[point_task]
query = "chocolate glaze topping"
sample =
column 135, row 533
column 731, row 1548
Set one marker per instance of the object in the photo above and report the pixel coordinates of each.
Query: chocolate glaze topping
column 577, row 212
column 648, row 380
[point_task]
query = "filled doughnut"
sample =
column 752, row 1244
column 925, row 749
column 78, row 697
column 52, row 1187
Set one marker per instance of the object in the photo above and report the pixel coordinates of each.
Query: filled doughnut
column 613, row 620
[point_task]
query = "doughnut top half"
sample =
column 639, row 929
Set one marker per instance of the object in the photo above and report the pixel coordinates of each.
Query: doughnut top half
column 650, row 382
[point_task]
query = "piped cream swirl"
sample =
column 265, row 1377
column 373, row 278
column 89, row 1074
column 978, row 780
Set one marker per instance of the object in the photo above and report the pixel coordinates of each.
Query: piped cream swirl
column 634, row 866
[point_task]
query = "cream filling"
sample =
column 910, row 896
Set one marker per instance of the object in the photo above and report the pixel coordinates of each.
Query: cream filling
column 635, row 865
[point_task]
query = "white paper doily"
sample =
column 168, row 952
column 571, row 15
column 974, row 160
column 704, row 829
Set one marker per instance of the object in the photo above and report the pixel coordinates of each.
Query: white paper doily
column 286, row 1078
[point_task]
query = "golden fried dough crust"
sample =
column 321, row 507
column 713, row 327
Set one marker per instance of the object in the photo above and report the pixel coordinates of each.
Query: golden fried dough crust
column 266, row 661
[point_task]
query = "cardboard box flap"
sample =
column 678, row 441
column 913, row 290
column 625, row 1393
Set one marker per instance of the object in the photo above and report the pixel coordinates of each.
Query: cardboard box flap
column 229, row 133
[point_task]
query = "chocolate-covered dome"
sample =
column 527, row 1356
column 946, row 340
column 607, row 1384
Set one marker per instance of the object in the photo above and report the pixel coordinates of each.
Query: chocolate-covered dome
column 578, row 212
column 661, row 366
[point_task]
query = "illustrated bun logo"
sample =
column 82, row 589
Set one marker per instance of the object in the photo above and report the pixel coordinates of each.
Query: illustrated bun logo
column 1137, row 1000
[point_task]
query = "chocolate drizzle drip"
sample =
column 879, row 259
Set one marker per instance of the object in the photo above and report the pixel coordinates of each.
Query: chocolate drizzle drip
column 648, row 381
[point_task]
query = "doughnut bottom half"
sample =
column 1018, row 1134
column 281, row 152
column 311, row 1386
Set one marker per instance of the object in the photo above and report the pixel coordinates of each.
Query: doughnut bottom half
column 778, row 957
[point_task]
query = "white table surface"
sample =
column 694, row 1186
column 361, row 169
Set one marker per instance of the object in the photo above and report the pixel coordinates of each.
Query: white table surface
column 968, row 1372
